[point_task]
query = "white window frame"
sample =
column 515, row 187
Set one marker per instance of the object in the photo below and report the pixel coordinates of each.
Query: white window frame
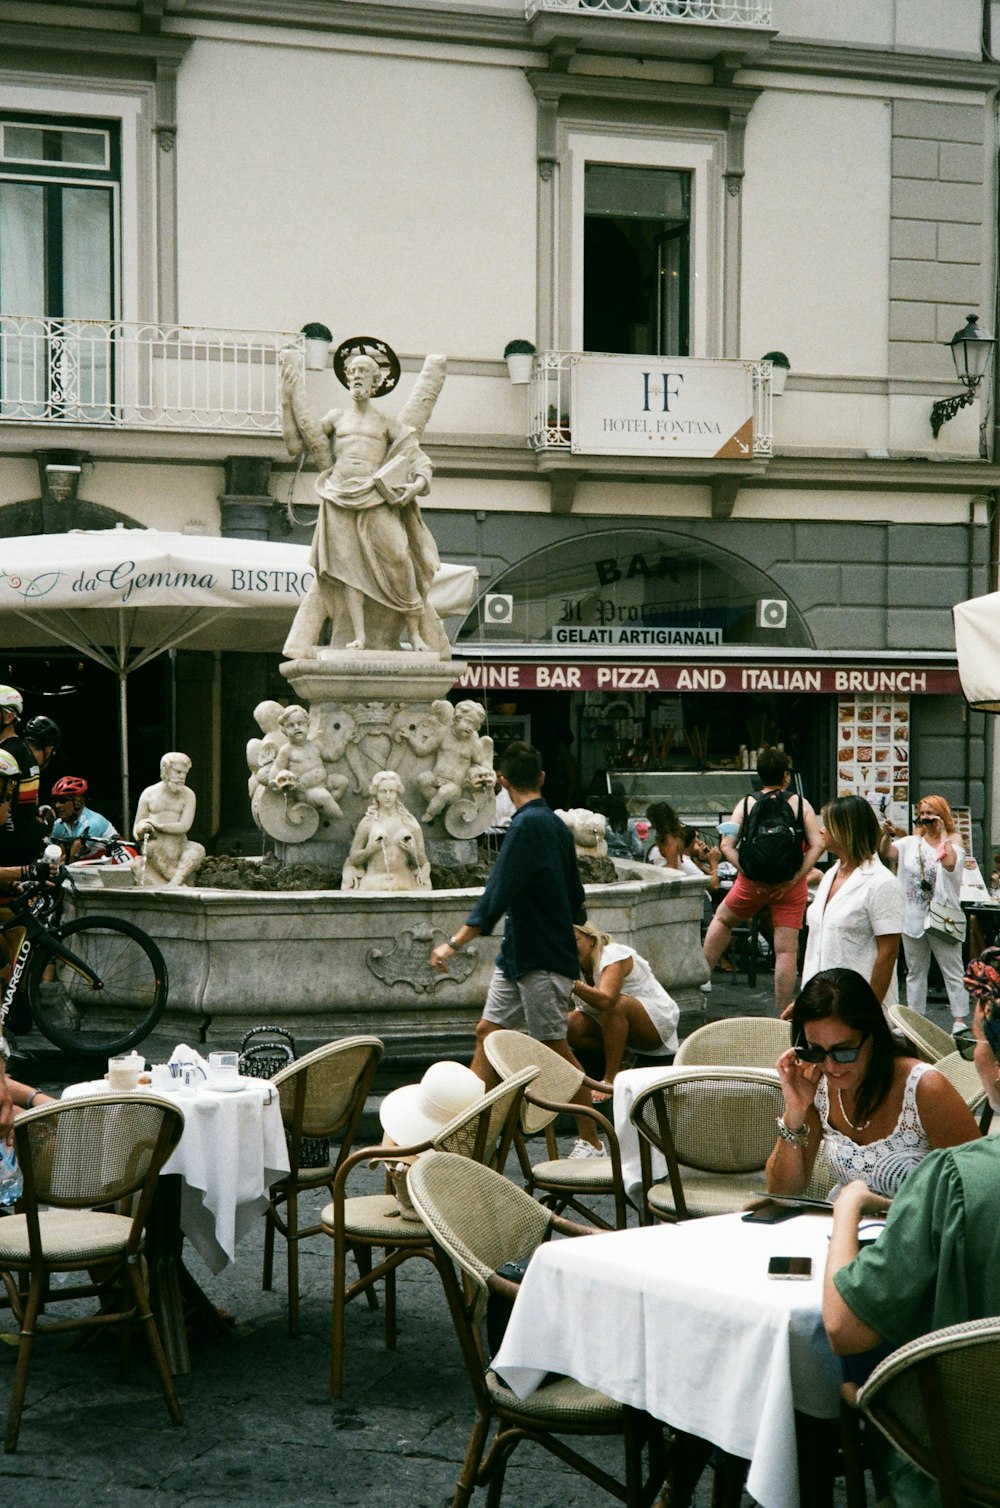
column 133, row 108
column 700, row 153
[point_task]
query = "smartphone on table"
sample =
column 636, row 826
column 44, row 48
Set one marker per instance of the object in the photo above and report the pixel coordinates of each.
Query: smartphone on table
column 790, row 1267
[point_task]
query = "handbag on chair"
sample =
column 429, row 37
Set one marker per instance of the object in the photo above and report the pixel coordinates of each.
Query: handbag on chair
column 264, row 1051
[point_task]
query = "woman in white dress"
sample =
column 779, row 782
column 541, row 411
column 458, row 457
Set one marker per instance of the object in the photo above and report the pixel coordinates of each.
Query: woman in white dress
column 618, row 1003
column 876, row 1111
column 931, row 859
column 856, row 917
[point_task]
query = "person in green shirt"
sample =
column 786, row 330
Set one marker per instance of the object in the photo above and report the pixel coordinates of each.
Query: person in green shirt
column 937, row 1262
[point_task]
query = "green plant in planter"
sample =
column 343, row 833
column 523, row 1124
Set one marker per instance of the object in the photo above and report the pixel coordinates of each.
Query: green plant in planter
column 519, row 348
column 315, row 331
column 777, row 359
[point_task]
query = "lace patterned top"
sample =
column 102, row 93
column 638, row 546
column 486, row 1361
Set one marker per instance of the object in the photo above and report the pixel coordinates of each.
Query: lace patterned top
column 885, row 1164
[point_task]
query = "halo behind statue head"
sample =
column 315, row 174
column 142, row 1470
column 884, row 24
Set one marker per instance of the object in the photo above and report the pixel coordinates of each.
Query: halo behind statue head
column 383, row 356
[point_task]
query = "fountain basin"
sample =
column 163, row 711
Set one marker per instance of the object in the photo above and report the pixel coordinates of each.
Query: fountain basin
column 326, row 964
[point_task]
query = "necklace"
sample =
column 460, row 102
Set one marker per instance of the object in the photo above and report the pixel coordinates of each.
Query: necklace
column 864, row 1124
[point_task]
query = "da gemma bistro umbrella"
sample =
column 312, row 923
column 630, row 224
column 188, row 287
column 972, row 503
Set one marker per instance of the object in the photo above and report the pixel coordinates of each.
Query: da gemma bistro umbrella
column 124, row 596
column 977, row 640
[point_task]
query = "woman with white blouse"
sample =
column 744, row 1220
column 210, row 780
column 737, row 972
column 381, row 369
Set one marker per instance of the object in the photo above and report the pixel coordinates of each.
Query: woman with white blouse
column 930, row 860
column 856, row 918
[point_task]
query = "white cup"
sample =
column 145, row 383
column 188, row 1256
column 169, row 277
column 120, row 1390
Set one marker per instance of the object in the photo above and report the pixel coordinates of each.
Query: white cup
column 163, row 1080
column 123, row 1072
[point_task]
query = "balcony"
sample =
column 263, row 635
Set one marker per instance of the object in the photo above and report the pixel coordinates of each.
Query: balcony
column 108, row 374
column 625, row 406
column 710, row 12
column 694, row 30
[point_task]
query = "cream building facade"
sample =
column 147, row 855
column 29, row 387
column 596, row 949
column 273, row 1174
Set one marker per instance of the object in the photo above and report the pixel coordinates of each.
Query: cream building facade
column 185, row 183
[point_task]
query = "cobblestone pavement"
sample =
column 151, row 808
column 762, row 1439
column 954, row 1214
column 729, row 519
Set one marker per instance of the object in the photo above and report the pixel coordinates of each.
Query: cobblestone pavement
column 259, row 1424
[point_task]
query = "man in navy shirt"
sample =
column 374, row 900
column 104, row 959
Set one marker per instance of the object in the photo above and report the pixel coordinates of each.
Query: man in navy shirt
column 536, row 882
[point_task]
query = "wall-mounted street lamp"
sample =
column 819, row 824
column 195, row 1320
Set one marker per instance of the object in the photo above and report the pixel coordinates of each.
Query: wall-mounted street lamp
column 59, row 472
column 971, row 349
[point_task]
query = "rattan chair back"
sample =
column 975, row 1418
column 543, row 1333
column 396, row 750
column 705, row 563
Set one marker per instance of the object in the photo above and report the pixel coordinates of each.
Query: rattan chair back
column 485, row 1131
column 740, row 1042
column 719, row 1120
column 479, row 1218
column 326, row 1088
column 930, row 1042
column 964, row 1077
column 928, row 1399
column 509, row 1052
column 99, row 1149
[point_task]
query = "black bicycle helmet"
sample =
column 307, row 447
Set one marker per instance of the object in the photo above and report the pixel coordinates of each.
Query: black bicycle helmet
column 42, row 731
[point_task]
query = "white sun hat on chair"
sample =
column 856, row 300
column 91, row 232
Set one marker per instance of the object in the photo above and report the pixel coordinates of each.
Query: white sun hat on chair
column 417, row 1112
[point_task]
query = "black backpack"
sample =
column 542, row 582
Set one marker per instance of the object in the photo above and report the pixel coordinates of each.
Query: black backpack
column 771, row 839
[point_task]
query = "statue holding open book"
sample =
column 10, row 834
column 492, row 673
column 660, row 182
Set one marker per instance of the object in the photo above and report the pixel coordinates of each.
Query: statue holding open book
column 373, row 554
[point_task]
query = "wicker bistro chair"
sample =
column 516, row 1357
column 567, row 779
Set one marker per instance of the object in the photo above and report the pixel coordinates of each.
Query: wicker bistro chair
column 927, row 1399
column 563, row 1181
column 361, row 1223
column 76, row 1159
column 739, row 1042
column 930, row 1042
column 479, row 1220
column 964, row 1077
column 715, row 1128
column 322, row 1095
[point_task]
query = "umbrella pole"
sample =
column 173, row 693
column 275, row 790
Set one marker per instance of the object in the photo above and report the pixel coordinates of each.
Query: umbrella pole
column 123, row 736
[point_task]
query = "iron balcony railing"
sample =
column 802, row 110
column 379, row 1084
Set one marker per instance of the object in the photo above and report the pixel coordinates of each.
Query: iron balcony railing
column 113, row 374
column 550, row 402
column 717, row 12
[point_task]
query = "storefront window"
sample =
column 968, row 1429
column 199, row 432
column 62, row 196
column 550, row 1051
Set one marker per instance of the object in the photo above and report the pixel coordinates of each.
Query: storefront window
column 635, row 588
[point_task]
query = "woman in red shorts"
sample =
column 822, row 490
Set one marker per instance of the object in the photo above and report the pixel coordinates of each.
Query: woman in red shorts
column 786, row 900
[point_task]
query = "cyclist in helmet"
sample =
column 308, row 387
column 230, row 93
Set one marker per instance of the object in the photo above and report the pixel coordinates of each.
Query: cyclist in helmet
column 43, row 737
column 21, row 834
column 80, row 832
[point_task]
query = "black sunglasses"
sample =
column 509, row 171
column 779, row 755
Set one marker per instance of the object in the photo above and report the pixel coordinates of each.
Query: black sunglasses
column 817, row 1055
column 965, row 1045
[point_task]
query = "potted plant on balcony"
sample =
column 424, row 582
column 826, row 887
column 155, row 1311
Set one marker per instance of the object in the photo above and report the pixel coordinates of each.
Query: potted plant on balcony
column 780, row 367
column 519, row 356
column 318, row 342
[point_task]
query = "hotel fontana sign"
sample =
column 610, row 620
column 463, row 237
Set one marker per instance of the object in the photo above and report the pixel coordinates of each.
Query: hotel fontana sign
column 661, row 406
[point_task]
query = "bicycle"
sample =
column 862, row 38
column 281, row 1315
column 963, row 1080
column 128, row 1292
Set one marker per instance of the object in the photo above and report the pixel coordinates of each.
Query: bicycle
column 110, row 981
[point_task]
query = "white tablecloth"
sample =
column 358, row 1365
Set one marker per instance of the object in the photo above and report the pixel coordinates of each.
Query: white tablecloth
column 627, row 1086
column 683, row 1321
column 230, row 1152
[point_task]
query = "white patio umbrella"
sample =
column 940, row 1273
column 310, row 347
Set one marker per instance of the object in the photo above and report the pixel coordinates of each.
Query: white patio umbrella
column 123, row 596
column 977, row 640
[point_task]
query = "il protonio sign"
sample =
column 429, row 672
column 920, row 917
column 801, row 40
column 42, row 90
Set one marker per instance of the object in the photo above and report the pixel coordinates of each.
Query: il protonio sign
column 903, row 680
column 661, row 406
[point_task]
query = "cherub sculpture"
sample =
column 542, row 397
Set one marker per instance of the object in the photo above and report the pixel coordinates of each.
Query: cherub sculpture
column 452, row 735
column 298, row 769
column 261, row 752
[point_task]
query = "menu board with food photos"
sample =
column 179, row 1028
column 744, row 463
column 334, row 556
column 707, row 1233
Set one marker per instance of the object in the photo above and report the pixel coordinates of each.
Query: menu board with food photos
column 873, row 753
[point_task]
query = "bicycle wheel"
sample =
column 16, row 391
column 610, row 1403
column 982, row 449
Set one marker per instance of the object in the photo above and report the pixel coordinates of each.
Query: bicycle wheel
column 118, row 1013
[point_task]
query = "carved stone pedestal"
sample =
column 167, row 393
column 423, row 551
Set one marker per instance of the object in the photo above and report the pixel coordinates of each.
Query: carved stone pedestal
column 384, row 711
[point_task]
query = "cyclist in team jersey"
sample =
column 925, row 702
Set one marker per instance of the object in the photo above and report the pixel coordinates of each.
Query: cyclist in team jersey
column 80, row 832
column 21, row 833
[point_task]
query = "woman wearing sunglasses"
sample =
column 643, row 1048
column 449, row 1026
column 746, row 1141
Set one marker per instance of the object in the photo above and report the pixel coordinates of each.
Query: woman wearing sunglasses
column 930, row 860
column 876, row 1112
